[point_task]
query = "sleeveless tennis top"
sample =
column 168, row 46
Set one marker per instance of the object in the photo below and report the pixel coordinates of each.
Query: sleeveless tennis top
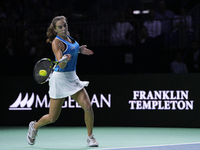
column 73, row 49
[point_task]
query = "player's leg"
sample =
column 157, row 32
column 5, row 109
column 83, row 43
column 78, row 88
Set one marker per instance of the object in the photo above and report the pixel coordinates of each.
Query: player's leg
column 54, row 112
column 82, row 98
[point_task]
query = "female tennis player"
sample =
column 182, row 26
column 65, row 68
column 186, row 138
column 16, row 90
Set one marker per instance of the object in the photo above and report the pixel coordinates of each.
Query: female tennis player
column 64, row 82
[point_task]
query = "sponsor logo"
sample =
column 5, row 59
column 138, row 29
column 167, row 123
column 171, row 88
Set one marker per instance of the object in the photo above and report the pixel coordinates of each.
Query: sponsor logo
column 161, row 100
column 35, row 101
column 24, row 104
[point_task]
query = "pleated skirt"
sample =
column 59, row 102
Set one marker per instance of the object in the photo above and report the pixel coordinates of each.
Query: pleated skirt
column 64, row 84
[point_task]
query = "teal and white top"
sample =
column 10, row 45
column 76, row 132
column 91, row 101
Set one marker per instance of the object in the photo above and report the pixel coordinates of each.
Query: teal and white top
column 73, row 49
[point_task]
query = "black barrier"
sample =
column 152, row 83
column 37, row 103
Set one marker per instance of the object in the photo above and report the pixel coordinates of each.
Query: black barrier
column 143, row 100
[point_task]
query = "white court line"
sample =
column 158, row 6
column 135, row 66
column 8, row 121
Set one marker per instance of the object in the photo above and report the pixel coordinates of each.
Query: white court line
column 150, row 146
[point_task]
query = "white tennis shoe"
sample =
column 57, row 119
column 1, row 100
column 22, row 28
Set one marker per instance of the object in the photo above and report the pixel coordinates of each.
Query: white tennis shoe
column 32, row 132
column 91, row 141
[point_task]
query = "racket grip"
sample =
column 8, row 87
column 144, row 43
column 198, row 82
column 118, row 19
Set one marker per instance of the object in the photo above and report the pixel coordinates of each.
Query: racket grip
column 64, row 58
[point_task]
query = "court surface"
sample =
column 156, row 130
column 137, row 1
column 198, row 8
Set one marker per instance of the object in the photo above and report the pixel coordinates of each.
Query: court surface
column 109, row 138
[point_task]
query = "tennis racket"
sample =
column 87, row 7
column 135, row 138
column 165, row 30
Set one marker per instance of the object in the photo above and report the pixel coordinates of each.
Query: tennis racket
column 44, row 68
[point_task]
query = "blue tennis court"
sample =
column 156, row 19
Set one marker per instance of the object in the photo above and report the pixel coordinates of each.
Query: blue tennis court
column 186, row 146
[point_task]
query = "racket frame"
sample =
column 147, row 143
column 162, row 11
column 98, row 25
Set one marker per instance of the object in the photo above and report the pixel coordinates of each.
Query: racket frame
column 54, row 64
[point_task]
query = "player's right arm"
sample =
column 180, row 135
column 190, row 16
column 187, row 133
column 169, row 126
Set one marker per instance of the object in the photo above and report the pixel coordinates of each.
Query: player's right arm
column 57, row 47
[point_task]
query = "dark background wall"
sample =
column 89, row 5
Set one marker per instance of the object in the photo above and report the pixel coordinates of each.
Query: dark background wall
column 114, row 72
column 110, row 96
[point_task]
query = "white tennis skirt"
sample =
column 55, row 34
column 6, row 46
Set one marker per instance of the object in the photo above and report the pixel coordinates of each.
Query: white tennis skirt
column 64, row 84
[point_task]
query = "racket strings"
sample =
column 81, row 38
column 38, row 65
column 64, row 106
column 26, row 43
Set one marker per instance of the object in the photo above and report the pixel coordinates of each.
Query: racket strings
column 42, row 65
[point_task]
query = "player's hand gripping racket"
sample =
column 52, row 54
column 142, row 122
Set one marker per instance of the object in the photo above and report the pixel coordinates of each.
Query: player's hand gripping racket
column 44, row 68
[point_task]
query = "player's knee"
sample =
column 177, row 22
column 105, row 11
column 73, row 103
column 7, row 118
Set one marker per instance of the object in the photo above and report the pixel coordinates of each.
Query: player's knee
column 88, row 108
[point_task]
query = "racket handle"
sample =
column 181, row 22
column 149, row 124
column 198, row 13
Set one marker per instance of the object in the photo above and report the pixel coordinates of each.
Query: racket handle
column 64, row 58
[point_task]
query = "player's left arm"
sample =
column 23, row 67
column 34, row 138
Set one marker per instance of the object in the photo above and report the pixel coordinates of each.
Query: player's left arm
column 84, row 50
